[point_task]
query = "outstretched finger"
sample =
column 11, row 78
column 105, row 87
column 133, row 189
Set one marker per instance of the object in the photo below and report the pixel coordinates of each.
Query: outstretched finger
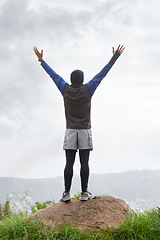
column 118, row 47
column 35, row 49
column 122, row 48
column 113, row 50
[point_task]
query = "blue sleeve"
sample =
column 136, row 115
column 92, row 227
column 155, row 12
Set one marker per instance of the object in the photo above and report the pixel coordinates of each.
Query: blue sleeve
column 96, row 80
column 58, row 80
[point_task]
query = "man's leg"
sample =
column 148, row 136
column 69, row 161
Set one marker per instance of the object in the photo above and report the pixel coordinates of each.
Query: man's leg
column 84, row 172
column 68, row 171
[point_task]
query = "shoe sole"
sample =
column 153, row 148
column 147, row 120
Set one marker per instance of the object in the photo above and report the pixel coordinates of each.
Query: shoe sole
column 67, row 200
column 85, row 199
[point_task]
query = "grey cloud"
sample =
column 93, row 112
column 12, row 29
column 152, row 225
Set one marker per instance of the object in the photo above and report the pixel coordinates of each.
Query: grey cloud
column 56, row 24
column 46, row 23
column 119, row 12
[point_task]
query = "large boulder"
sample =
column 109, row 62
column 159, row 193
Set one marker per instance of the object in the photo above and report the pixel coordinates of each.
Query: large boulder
column 96, row 212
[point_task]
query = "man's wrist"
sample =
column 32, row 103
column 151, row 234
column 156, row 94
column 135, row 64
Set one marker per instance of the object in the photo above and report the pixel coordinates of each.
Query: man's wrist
column 114, row 58
column 40, row 59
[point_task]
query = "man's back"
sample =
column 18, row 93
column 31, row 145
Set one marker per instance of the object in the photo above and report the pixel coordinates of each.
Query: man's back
column 77, row 102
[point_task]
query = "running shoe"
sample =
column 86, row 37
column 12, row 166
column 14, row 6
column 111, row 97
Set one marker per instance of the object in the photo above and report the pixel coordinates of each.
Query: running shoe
column 85, row 196
column 65, row 197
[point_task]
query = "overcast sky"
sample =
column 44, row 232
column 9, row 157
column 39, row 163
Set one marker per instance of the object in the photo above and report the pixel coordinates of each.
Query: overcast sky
column 79, row 34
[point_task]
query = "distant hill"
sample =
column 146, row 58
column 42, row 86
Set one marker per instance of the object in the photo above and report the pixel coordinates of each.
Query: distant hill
column 140, row 189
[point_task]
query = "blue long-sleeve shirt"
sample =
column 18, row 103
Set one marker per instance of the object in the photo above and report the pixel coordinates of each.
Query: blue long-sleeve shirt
column 91, row 85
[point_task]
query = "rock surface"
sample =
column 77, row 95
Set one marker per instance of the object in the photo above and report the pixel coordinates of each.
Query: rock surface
column 97, row 212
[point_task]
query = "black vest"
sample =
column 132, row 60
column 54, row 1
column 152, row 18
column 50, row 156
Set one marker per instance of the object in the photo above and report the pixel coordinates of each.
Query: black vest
column 77, row 103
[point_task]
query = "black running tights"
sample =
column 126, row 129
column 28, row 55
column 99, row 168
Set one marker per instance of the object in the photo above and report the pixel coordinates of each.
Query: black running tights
column 84, row 171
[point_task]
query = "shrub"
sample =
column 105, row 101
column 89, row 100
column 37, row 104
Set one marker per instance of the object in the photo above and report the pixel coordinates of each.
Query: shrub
column 5, row 210
column 42, row 205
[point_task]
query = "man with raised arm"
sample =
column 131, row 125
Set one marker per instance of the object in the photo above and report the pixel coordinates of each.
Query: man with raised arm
column 77, row 103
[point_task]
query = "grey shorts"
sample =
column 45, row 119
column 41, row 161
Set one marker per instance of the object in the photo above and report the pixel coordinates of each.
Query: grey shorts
column 78, row 139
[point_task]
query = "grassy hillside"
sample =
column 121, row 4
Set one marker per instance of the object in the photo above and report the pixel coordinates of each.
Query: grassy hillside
column 136, row 226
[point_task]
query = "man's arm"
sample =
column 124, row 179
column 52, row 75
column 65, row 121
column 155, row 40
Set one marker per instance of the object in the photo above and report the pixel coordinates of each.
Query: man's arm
column 96, row 80
column 58, row 80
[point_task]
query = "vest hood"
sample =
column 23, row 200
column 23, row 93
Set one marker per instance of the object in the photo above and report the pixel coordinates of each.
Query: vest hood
column 77, row 77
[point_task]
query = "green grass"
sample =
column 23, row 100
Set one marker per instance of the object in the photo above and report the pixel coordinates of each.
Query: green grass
column 137, row 226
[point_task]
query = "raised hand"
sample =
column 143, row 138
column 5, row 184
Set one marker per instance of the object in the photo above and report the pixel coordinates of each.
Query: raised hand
column 39, row 54
column 120, row 49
